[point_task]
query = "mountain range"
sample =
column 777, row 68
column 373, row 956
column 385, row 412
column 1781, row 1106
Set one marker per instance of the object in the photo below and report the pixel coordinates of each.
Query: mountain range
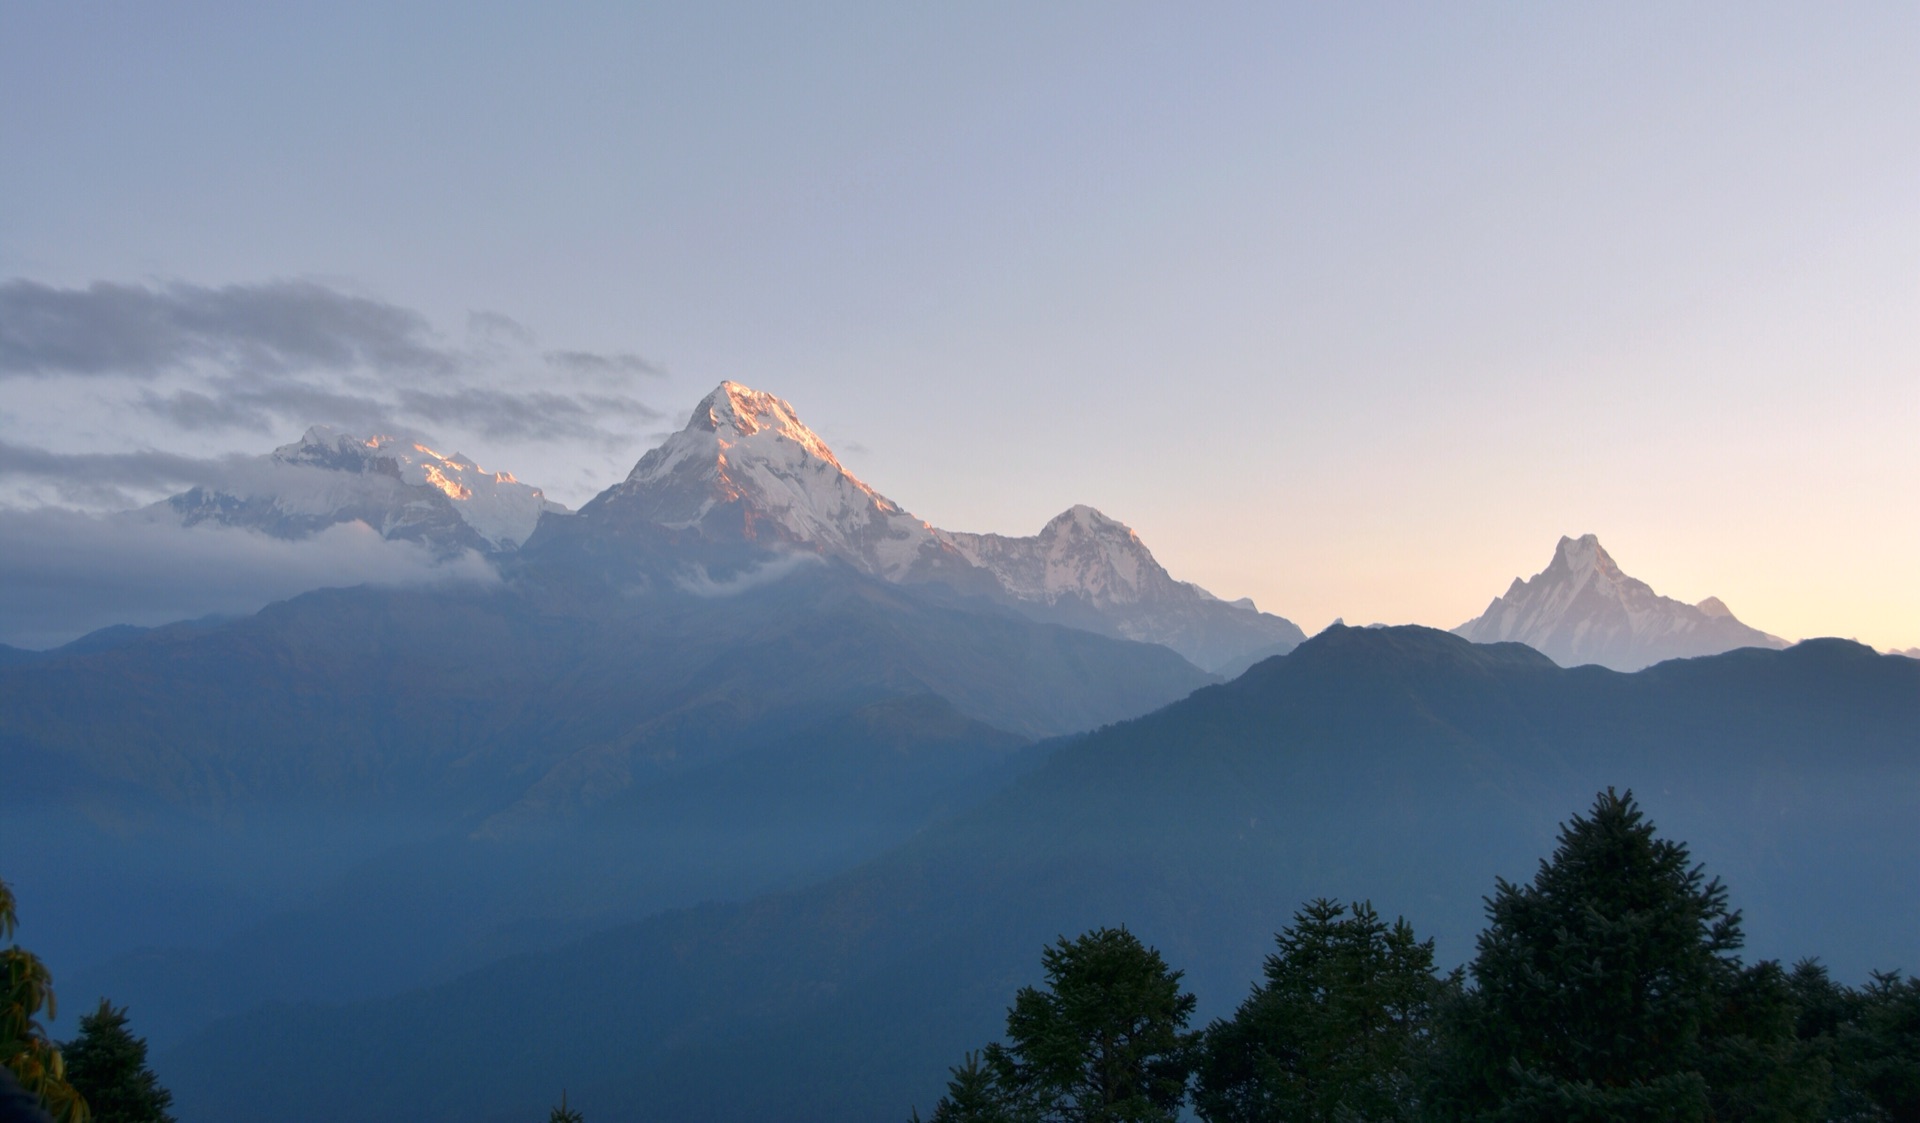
column 755, row 772
column 743, row 468
column 746, row 468
column 1401, row 765
column 542, row 749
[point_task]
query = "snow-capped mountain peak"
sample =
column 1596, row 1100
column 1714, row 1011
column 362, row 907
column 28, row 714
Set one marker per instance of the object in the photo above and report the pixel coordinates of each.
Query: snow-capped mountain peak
column 1079, row 553
column 1090, row 570
column 1583, row 609
column 745, row 464
column 398, row 486
column 746, row 412
column 746, row 457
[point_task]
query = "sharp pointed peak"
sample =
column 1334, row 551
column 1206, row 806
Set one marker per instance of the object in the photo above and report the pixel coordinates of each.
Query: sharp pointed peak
column 1714, row 606
column 1582, row 554
column 733, row 411
column 1586, row 545
column 1083, row 516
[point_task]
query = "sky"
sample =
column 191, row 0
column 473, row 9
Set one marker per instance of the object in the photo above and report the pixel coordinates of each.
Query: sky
column 1354, row 309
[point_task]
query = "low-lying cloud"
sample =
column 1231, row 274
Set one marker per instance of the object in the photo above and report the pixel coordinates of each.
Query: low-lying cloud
column 64, row 573
column 121, row 372
column 701, row 583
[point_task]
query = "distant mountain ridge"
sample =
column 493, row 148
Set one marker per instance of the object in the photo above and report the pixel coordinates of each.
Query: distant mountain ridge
column 1583, row 609
column 746, row 465
column 400, row 488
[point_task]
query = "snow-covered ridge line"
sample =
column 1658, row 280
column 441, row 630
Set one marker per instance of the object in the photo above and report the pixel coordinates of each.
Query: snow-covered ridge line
column 1081, row 553
column 746, row 464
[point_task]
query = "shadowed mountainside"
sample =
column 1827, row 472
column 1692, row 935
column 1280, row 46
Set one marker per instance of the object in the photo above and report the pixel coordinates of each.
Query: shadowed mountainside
column 1402, row 765
column 193, row 782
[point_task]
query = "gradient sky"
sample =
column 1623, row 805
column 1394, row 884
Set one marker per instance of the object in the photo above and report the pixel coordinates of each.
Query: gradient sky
column 1354, row 309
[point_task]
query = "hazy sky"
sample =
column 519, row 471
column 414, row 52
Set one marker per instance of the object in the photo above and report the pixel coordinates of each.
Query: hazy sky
column 1351, row 308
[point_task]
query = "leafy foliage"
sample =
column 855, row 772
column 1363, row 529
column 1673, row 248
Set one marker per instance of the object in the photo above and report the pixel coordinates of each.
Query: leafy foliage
column 108, row 1065
column 564, row 1114
column 24, row 1045
column 1337, row 1031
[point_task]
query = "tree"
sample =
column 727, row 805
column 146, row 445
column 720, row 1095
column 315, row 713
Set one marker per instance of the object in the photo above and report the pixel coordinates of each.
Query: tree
column 1879, row 1053
column 1337, row 1031
column 26, row 988
column 1104, row 1042
column 1609, row 989
column 563, row 1113
column 108, row 1065
column 972, row 1096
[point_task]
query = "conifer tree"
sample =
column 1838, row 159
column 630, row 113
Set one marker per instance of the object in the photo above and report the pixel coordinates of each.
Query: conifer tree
column 108, row 1065
column 1880, row 1052
column 1609, row 989
column 564, row 1114
column 972, row 1096
column 1338, row 1030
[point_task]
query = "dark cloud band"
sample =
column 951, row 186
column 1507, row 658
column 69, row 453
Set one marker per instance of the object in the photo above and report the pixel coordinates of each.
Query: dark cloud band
column 257, row 356
column 141, row 331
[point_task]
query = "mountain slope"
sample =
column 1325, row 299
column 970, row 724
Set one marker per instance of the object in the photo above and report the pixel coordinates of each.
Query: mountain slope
column 192, row 769
column 1402, row 765
column 1583, row 609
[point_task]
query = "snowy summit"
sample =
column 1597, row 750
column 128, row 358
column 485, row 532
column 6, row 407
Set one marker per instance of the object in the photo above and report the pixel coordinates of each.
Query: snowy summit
column 745, row 464
column 1583, row 609
column 400, row 488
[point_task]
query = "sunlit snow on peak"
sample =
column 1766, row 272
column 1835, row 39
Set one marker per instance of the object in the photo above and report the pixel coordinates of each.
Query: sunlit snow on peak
column 495, row 505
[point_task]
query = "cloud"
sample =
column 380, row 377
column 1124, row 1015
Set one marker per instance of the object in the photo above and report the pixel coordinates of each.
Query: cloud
column 617, row 365
column 140, row 468
column 115, row 479
column 63, row 573
column 253, row 404
column 175, row 365
column 701, row 582
column 272, row 327
column 268, row 357
column 538, row 415
column 499, row 328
